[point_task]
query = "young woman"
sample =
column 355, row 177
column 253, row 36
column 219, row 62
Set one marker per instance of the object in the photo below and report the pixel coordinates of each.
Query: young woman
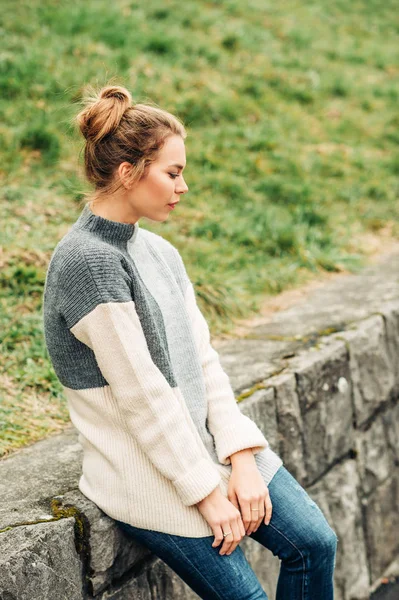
column 167, row 453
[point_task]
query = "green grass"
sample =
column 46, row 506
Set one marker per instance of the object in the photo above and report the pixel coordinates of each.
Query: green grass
column 291, row 112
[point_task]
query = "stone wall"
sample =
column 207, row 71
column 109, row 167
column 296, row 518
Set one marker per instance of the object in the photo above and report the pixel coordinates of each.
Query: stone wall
column 321, row 379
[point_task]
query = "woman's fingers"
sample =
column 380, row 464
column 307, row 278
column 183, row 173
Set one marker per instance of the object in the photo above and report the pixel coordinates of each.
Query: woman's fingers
column 253, row 504
column 242, row 528
column 228, row 539
column 217, row 530
column 252, row 518
column 261, row 513
column 246, row 513
column 232, row 540
column 269, row 509
column 254, row 521
column 264, row 512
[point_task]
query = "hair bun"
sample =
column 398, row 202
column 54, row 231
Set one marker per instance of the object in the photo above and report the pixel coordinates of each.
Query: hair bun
column 103, row 112
column 117, row 92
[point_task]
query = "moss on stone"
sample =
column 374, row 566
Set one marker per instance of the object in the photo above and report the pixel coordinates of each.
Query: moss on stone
column 258, row 386
column 82, row 535
column 61, row 512
column 22, row 523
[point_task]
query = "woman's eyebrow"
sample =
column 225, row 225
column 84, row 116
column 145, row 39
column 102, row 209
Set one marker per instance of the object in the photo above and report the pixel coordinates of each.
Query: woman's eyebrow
column 177, row 165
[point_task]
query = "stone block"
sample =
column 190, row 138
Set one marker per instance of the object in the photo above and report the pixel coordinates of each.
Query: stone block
column 136, row 588
column 371, row 368
column 36, row 473
column 289, row 424
column 261, row 408
column 381, row 514
column 374, row 458
column 40, row 562
column 324, row 393
column 337, row 495
column 318, row 371
column 390, row 419
column 390, row 313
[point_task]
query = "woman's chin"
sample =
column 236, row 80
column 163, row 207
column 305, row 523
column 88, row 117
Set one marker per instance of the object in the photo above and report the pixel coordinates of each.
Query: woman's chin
column 157, row 218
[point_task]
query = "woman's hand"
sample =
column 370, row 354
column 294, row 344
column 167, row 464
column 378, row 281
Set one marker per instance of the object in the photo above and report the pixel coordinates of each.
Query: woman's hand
column 247, row 490
column 223, row 517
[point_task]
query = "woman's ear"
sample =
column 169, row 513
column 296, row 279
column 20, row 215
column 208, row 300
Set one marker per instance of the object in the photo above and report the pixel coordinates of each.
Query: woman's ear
column 124, row 172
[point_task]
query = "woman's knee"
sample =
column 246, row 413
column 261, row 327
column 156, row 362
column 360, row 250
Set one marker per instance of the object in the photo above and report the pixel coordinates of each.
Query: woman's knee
column 322, row 544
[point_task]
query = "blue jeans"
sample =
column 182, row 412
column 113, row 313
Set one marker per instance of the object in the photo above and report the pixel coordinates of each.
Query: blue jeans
column 298, row 533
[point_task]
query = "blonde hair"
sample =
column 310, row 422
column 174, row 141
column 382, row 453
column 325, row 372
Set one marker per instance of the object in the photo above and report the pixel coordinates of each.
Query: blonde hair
column 117, row 130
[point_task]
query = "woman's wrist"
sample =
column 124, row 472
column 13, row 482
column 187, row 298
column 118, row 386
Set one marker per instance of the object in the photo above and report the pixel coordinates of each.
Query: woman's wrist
column 214, row 493
column 242, row 457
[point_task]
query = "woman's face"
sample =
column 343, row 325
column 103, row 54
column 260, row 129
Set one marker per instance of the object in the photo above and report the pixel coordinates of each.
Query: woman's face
column 163, row 185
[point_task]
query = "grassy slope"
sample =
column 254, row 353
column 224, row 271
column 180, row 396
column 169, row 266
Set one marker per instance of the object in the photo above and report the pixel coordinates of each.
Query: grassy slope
column 290, row 110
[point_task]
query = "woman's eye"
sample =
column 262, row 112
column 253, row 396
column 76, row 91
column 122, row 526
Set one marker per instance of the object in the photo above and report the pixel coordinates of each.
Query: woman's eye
column 174, row 175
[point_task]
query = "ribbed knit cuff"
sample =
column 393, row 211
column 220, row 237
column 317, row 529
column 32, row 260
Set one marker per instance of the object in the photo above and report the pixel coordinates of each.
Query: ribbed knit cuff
column 270, row 464
column 239, row 435
column 198, row 483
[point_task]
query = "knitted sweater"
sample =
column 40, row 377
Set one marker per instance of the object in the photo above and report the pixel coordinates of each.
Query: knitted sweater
column 155, row 411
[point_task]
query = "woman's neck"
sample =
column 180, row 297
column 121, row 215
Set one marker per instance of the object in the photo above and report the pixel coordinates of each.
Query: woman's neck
column 113, row 209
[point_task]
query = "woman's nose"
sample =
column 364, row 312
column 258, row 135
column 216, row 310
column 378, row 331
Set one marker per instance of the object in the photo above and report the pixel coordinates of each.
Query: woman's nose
column 182, row 187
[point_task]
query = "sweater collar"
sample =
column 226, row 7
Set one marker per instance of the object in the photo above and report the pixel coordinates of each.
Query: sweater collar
column 112, row 231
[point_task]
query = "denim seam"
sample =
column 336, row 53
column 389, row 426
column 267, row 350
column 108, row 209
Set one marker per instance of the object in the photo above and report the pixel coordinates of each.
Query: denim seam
column 302, row 556
column 195, row 568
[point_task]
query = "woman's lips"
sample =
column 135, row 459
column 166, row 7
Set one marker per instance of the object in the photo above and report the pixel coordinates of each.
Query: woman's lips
column 173, row 205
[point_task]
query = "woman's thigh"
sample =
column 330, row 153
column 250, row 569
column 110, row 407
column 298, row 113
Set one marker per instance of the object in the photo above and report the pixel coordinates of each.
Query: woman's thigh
column 297, row 524
column 211, row 575
column 297, row 530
